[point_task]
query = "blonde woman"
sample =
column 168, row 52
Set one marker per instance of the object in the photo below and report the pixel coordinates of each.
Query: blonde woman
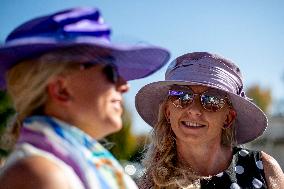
column 200, row 115
column 66, row 82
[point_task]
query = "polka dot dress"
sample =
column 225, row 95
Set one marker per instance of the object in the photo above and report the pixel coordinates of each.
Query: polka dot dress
column 245, row 172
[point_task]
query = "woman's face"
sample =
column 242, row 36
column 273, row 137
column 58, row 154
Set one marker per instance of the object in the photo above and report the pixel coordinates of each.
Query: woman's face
column 95, row 100
column 195, row 125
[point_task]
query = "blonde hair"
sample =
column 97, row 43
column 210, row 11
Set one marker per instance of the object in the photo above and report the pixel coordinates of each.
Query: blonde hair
column 163, row 170
column 27, row 81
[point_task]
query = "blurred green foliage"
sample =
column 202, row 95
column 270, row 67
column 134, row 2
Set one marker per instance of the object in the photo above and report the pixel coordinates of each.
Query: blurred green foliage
column 138, row 154
column 6, row 111
column 261, row 97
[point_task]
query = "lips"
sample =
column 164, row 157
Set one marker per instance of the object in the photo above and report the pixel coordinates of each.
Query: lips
column 117, row 103
column 191, row 124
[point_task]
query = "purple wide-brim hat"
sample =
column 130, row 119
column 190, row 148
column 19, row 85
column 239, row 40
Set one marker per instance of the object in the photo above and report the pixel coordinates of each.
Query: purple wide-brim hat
column 74, row 28
column 202, row 68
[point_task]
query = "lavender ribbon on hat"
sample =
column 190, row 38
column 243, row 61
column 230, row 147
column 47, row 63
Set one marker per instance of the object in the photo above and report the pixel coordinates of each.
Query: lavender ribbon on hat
column 207, row 69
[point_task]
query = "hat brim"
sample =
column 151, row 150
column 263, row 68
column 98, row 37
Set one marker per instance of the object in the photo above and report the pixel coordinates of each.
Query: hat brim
column 133, row 62
column 250, row 123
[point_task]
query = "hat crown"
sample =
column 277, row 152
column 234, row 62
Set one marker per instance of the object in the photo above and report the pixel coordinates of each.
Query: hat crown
column 65, row 25
column 207, row 68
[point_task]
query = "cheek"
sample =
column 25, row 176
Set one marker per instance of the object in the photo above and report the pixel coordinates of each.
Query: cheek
column 168, row 112
column 174, row 116
column 216, row 119
column 103, row 100
column 93, row 90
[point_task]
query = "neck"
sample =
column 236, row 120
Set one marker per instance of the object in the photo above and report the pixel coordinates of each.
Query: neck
column 205, row 159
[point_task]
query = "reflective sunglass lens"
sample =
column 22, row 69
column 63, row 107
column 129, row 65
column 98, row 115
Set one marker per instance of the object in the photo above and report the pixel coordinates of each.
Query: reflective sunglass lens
column 180, row 98
column 212, row 102
column 175, row 93
column 186, row 99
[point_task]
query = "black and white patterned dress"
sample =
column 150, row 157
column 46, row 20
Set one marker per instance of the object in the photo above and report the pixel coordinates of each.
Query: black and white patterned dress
column 245, row 172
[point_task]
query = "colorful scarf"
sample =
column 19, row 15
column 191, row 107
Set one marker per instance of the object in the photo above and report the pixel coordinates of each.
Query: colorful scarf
column 94, row 165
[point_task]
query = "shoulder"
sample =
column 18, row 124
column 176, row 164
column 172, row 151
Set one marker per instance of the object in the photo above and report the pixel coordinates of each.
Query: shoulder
column 247, row 155
column 33, row 172
column 273, row 173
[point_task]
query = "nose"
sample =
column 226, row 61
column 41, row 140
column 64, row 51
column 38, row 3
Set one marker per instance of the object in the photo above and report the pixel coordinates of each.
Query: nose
column 122, row 85
column 195, row 108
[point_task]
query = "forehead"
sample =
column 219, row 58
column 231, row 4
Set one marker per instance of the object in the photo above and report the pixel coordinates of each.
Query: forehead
column 199, row 88
column 194, row 88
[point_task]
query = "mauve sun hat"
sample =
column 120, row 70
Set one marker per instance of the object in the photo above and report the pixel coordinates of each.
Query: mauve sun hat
column 77, row 27
column 211, row 70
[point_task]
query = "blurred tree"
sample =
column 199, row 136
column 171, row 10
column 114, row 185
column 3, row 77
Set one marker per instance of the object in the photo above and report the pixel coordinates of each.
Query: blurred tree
column 6, row 111
column 142, row 141
column 261, row 97
column 124, row 141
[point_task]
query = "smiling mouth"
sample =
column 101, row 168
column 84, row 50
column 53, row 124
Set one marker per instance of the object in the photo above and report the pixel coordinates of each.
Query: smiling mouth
column 190, row 124
column 117, row 104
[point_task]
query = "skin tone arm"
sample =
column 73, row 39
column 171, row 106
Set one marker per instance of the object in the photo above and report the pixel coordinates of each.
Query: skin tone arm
column 273, row 173
column 33, row 172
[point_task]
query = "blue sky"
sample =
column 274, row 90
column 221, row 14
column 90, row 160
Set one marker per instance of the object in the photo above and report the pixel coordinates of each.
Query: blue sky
column 249, row 32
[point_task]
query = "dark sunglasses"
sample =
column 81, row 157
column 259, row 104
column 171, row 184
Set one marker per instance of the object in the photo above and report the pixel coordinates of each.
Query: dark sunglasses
column 211, row 100
column 109, row 70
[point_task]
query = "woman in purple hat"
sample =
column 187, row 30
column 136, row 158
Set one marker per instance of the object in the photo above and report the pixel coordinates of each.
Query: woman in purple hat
column 200, row 115
column 66, row 82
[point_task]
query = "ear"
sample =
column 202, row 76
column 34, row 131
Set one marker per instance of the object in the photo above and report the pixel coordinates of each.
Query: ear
column 57, row 90
column 231, row 116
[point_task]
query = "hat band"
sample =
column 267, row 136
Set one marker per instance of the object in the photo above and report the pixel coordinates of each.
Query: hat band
column 215, row 74
column 50, row 40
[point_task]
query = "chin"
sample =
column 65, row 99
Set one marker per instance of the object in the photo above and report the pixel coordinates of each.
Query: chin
column 111, row 130
column 116, row 125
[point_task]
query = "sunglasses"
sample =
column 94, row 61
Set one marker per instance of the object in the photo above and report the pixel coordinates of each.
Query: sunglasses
column 211, row 100
column 109, row 70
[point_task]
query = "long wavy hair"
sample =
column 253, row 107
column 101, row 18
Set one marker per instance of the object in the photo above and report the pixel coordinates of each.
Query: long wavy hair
column 163, row 170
